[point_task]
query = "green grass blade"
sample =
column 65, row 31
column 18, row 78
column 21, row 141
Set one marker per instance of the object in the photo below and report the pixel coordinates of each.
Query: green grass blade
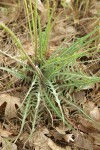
column 55, row 109
column 27, row 108
column 57, row 99
column 15, row 73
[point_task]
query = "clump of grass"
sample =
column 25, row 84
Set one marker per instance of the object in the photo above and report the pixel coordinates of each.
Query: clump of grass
column 53, row 77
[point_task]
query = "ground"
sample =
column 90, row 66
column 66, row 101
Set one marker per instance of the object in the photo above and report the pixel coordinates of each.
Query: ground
column 73, row 19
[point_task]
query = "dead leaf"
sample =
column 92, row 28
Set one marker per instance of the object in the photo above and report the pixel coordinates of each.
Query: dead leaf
column 66, row 111
column 39, row 139
column 90, row 126
column 68, row 138
column 5, row 133
column 10, row 110
column 43, row 15
column 69, row 2
column 1, row 59
column 9, row 14
column 92, row 110
column 56, row 135
column 53, row 146
column 95, row 114
column 56, row 40
column 96, row 8
column 40, row 5
column 7, row 145
column 62, row 134
column 81, row 141
column 95, row 147
column 70, row 30
column 80, row 97
column 60, row 28
column 90, row 86
column 8, row 1
column 24, row 137
column 28, row 48
column 96, row 137
column 61, row 129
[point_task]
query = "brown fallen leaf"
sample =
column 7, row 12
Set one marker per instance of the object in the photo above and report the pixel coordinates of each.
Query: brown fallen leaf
column 56, row 39
column 39, row 140
column 53, row 146
column 60, row 28
column 90, row 126
column 70, row 30
column 68, row 2
column 61, row 129
column 95, row 147
column 42, row 9
column 96, row 7
column 28, row 48
column 90, row 86
column 24, row 137
column 10, row 109
column 82, row 141
column 7, row 145
column 62, row 133
column 9, row 14
column 5, row 133
column 96, row 137
column 40, row 6
column 1, row 59
column 8, row 1
column 95, row 114
column 80, row 97
column 92, row 110
column 68, row 138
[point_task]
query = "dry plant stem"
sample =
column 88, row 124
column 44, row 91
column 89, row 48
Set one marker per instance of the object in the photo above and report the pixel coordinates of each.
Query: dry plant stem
column 28, row 19
column 33, row 23
column 35, row 30
column 48, row 8
column 8, row 4
column 10, row 90
column 21, row 49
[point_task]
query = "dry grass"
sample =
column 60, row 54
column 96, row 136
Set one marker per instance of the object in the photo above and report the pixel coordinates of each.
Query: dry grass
column 73, row 20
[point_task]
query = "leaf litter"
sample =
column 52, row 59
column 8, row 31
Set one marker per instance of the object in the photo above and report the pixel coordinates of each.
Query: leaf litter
column 72, row 22
column 10, row 109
